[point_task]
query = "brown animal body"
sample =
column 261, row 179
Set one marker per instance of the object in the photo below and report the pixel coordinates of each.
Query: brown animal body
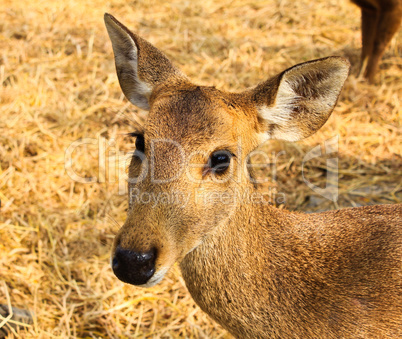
column 259, row 271
column 380, row 21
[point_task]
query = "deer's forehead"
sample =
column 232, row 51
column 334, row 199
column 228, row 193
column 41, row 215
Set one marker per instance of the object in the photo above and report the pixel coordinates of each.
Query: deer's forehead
column 197, row 114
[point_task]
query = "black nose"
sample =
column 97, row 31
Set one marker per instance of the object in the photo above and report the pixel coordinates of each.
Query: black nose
column 132, row 267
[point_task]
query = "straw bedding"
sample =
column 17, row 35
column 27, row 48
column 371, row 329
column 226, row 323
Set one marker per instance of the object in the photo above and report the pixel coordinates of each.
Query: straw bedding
column 58, row 85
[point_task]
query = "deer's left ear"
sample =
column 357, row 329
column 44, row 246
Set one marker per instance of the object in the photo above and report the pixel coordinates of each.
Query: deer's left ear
column 297, row 102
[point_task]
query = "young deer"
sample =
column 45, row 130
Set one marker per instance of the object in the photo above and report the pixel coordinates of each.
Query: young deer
column 380, row 21
column 259, row 271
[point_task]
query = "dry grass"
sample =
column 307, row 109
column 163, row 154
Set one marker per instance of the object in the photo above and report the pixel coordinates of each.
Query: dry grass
column 59, row 85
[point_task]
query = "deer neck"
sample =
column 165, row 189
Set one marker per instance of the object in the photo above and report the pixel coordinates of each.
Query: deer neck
column 223, row 274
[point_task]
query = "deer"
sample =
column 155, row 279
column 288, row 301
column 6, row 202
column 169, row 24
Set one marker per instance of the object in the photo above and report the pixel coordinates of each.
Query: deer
column 380, row 20
column 257, row 270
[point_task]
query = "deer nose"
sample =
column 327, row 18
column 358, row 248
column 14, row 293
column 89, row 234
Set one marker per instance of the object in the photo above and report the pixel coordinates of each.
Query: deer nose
column 132, row 267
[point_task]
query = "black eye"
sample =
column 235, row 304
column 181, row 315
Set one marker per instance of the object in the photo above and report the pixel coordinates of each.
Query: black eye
column 219, row 161
column 139, row 143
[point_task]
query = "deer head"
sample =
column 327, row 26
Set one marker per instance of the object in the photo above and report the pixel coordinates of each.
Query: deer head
column 191, row 155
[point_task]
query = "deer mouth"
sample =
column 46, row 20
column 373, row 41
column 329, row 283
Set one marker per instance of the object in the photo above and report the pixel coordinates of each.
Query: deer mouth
column 156, row 278
column 137, row 268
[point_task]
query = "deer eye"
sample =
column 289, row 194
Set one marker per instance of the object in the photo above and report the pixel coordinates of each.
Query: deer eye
column 140, row 143
column 219, row 161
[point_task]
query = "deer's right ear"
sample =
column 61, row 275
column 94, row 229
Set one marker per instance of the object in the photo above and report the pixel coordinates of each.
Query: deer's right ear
column 139, row 65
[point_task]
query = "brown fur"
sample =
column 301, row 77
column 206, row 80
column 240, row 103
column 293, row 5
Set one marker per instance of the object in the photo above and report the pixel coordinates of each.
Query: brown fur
column 258, row 271
column 326, row 275
column 380, row 21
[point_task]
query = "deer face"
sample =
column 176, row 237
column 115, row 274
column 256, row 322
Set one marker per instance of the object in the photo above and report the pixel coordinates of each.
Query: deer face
column 185, row 175
column 189, row 167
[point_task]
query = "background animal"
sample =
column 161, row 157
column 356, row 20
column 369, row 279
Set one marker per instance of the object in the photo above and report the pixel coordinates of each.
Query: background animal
column 259, row 271
column 380, row 21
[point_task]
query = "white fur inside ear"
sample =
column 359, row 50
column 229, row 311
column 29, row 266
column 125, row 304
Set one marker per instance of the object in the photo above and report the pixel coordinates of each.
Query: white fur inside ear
column 279, row 114
column 142, row 92
column 126, row 59
column 291, row 133
column 306, row 95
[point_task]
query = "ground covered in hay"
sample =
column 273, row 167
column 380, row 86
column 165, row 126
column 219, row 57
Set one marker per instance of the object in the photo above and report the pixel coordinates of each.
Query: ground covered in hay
column 58, row 85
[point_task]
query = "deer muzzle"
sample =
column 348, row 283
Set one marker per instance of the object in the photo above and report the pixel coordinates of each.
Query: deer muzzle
column 133, row 267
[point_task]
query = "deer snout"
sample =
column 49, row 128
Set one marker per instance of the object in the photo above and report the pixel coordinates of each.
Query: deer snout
column 134, row 267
